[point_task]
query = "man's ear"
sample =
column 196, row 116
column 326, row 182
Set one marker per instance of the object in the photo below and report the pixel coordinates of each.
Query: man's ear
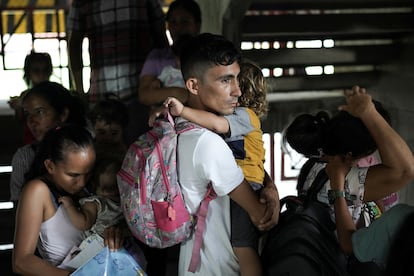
column 49, row 165
column 64, row 116
column 192, row 85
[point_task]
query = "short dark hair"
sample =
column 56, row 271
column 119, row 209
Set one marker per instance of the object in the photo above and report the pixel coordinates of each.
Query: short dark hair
column 55, row 146
column 110, row 111
column 337, row 135
column 60, row 98
column 32, row 58
column 204, row 51
column 190, row 6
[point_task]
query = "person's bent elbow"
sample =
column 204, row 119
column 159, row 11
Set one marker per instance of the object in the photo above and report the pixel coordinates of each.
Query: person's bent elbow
column 18, row 265
column 409, row 171
column 406, row 172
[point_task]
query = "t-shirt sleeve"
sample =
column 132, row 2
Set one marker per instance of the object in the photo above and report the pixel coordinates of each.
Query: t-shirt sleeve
column 94, row 199
column 21, row 163
column 214, row 160
column 239, row 122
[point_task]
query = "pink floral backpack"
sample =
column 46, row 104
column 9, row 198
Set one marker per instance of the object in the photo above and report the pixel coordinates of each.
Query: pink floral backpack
column 151, row 198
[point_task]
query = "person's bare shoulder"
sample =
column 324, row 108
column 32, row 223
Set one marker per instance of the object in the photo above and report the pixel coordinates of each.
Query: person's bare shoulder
column 35, row 190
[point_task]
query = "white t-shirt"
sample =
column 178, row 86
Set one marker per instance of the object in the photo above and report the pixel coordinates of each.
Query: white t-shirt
column 171, row 77
column 203, row 156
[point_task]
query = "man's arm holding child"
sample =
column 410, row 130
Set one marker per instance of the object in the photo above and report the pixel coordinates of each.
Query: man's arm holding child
column 269, row 195
column 264, row 211
column 244, row 196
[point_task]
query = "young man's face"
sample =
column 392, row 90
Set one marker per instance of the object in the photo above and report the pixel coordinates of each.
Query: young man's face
column 219, row 90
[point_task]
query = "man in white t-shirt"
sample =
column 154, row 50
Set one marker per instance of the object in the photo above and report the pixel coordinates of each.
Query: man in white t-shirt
column 210, row 65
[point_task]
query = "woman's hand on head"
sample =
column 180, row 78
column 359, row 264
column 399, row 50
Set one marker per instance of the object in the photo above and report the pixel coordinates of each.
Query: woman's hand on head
column 358, row 101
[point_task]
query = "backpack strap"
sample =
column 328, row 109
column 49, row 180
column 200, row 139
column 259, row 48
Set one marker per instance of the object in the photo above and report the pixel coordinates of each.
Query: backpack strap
column 169, row 117
column 314, row 208
column 185, row 126
column 303, row 173
column 317, row 184
column 201, row 223
column 201, row 214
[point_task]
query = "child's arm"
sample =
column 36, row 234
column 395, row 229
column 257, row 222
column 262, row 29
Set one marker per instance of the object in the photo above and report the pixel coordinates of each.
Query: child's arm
column 206, row 119
column 82, row 218
column 337, row 170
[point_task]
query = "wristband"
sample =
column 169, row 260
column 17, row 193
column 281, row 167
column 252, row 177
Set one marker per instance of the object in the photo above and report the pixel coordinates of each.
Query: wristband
column 334, row 194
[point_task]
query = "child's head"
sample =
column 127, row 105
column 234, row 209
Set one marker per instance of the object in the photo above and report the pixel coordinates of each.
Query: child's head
column 37, row 68
column 66, row 156
column 253, row 88
column 109, row 118
column 104, row 181
column 48, row 105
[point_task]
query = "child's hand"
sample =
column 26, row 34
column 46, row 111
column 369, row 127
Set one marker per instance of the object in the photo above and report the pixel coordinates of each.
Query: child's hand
column 66, row 201
column 174, row 105
column 154, row 114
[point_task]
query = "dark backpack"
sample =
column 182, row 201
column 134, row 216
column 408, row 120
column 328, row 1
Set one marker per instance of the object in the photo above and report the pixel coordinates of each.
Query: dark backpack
column 304, row 242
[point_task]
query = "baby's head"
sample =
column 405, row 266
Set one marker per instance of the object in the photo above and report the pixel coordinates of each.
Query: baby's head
column 109, row 119
column 104, row 181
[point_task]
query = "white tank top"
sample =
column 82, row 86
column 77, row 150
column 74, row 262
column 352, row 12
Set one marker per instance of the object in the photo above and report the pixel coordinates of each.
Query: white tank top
column 57, row 237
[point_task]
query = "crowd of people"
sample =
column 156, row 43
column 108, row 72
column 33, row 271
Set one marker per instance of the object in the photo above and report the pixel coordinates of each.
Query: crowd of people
column 64, row 178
